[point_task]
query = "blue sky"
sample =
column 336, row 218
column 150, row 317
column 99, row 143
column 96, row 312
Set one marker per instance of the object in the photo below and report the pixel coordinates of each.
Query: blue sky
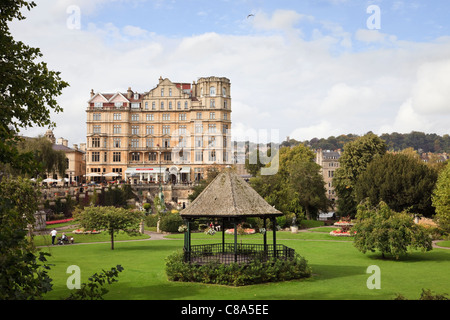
column 304, row 68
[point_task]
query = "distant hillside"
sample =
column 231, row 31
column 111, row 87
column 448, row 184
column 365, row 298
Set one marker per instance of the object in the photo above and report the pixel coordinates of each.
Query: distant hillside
column 422, row 142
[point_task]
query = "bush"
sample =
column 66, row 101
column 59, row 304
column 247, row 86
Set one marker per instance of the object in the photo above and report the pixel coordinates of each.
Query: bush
column 235, row 274
column 171, row 222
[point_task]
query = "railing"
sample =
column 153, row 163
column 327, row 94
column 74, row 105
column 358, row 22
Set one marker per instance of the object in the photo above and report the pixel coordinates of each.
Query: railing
column 243, row 253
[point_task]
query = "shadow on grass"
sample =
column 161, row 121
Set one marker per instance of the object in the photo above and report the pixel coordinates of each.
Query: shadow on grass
column 326, row 272
column 168, row 291
column 434, row 255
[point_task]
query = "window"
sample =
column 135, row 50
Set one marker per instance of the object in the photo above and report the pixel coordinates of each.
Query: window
column 199, row 156
column 162, row 105
column 152, row 156
column 136, row 96
column 117, row 157
column 95, row 156
column 224, row 92
column 199, row 115
column 162, row 92
column 178, row 105
column 135, row 117
column 116, row 143
column 149, row 143
column 212, row 156
column 212, row 91
column 182, row 130
column 167, row 156
column 182, row 116
column 225, row 157
column 166, row 130
column 166, row 117
column 185, row 104
column 97, row 116
column 134, row 129
column 170, row 105
column 199, row 142
column 117, row 129
column 105, row 157
column 117, row 116
column 170, row 92
column 135, row 105
column 225, row 129
column 150, row 117
column 225, row 116
column 153, row 105
column 98, row 105
column 212, row 103
column 212, row 142
column 211, row 128
column 150, row 130
column 146, row 106
column 134, row 143
column 212, row 115
column 225, row 142
column 198, row 128
column 135, row 156
column 95, row 142
column 225, row 104
column 118, row 104
column 166, row 143
column 97, row 129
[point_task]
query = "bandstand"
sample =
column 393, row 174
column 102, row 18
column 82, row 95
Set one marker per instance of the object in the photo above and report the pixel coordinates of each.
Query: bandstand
column 228, row 200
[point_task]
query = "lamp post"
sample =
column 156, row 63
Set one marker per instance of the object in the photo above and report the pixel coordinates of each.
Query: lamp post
column 161, row 195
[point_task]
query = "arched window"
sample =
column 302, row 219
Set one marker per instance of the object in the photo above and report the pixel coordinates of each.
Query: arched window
column 212, row 91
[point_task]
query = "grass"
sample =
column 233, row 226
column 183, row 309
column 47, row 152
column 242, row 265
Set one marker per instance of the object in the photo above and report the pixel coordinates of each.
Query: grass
column 339, row 271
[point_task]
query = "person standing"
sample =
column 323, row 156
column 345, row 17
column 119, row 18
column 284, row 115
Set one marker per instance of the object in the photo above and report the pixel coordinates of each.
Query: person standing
column 53, row 233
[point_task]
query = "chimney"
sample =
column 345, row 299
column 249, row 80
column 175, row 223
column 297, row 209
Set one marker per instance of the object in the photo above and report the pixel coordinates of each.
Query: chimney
column 83, row 147
column 92, row 93
column 75, row 146
column 129, row 93
column 160, row 79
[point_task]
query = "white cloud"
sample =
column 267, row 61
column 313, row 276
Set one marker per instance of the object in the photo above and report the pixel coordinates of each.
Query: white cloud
column 279, row 80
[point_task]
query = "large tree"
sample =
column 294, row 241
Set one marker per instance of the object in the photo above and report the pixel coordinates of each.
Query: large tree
column 297, row 187
column 402, row 181
column 441, row 199
column 28, row 89
column 110, row 219
column 354, row 161
column 382, row 229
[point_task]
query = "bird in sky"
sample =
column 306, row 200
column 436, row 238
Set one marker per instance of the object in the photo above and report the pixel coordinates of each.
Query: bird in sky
column 250, row 15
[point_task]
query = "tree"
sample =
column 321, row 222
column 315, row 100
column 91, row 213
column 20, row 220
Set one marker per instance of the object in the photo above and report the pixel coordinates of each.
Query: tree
column 297, row 187
column 402, row 181
column 253, row 168
column 28, row 89
column 382, row 229
column 23, row 272
column 353, row 161
column 111, row 219
column 441, row 199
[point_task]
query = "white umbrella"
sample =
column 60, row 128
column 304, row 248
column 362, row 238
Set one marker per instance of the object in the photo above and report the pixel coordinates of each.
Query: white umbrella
column 92, row 175
column 50, row 180
column 111, row 174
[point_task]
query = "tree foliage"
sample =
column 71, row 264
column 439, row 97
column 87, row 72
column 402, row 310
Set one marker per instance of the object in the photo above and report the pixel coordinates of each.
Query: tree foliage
column 23, row 272
column 28, row 89
column 441, row 199
column 354, row 160
column 382, row 229
column 402, row 181
column 297, row 187
column 110, row 219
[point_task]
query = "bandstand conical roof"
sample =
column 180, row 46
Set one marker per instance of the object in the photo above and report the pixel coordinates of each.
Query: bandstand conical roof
column 228, row 195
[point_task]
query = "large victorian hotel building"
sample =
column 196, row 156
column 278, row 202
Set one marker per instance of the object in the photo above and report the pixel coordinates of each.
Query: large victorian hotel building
column 174, row 132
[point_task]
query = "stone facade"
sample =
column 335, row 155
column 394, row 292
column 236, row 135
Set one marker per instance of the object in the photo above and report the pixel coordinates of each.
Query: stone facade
column 173, row 132
column 329, row 161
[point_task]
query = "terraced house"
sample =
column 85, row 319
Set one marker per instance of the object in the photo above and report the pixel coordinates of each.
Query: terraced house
column 172, row 132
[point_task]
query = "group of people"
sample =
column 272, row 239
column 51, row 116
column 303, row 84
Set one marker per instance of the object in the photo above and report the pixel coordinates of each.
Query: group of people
column 62, row 240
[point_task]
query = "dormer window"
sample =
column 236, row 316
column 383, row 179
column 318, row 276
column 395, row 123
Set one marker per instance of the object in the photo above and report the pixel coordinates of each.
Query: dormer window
column 136, row 96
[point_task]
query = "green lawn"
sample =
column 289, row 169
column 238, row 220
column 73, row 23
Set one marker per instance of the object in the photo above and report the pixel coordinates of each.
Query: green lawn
column 339, row 271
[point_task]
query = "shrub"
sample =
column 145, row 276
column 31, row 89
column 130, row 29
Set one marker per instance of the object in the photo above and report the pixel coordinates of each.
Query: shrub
column 235, row 274
column 171, row 222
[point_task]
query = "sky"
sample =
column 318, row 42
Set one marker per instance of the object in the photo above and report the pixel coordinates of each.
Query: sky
column 303, row 69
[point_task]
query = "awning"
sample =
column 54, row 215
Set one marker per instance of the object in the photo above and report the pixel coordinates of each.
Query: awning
column 185, row 170
column 137, row 171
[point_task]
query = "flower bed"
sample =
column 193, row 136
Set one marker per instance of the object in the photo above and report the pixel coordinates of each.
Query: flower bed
column 246, row 231
column 340, row 233
column 82, row 231
column 59, row 221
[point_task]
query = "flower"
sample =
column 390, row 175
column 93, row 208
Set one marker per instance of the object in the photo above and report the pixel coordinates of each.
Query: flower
column 210, row 231
column 182, row 228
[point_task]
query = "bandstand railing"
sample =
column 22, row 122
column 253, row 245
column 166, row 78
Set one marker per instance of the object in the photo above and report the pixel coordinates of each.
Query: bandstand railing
column 240, row 253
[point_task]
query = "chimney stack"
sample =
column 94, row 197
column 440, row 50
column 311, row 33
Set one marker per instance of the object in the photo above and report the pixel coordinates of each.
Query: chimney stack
column 92, row 93
column 129, row 93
